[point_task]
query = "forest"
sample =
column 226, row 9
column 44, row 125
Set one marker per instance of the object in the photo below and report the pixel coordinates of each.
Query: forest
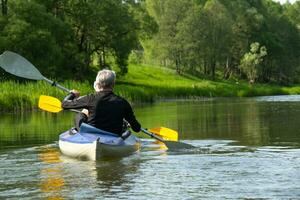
column 253, row 40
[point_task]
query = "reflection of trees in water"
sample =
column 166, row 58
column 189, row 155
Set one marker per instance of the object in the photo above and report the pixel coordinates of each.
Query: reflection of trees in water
column 31, row 128
column 283, row 121
column 255, row 126
column 223, row 119
column 246, row 120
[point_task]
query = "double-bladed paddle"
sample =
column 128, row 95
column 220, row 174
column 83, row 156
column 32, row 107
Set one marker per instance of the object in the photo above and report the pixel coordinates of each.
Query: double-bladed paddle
column 17, row 65
column 52, row 104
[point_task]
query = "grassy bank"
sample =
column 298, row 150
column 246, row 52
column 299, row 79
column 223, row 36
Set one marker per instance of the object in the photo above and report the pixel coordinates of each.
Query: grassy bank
column 141, row 84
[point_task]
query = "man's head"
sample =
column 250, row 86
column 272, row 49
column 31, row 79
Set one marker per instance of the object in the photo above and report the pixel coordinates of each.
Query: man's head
column 105, row 80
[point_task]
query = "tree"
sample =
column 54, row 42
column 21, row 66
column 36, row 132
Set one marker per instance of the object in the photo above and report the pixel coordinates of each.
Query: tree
column 167, row 43
column 282, row 39
column 217, row 34
column 4, row 7
column 73, row 33
column 251, row 61
column 37, row 35
column 104, row 28
column 292, row 11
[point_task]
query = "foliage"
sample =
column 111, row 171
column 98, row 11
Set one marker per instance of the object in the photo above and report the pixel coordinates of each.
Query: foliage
column 31, row 31
column 251, row 61
column 69, row 39
column 57, row 33
column 211, row 37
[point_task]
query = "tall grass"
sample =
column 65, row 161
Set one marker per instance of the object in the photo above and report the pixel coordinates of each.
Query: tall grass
column 141, row 84
column 24, row 96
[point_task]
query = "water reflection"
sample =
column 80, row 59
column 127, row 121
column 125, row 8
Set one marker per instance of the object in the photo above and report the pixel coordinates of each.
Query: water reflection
column 52, row 180
column 32, row 128
column 91, row 179
column 251, row 121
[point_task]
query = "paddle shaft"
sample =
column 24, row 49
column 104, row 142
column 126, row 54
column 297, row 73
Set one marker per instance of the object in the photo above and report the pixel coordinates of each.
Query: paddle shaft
column 53, row 83
column 152, row 135
column 17, row 65
column 171, row 145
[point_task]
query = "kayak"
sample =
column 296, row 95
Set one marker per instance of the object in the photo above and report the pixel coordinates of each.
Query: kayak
column 91, row 143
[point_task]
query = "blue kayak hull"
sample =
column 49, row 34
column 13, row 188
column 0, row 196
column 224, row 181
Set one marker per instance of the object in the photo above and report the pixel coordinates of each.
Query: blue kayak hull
column 92, row 144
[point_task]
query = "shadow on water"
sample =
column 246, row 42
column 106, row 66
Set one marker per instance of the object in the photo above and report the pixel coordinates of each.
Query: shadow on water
column 113, row 175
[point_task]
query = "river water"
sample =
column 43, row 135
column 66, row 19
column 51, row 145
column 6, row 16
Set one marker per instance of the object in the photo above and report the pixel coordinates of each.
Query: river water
column 246, row 148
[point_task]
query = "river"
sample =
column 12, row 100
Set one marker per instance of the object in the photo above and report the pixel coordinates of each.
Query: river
column 246, row 148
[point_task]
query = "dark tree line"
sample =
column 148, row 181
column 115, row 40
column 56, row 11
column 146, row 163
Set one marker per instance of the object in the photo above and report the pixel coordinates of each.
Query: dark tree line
column 258, row 40
column 209, row 37
column 71, row 38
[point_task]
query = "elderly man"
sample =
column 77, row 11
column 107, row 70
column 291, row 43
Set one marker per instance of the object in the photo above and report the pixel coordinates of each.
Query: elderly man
column 103, row 109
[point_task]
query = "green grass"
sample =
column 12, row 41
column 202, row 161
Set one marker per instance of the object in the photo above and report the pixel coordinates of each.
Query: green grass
column 165, row 83
column 141, row 84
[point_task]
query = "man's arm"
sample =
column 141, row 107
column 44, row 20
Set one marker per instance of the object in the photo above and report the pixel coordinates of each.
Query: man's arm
column 71, row 102
column 130, row 118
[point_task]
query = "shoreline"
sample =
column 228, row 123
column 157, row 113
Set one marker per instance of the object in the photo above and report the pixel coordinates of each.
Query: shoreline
column 18, row 97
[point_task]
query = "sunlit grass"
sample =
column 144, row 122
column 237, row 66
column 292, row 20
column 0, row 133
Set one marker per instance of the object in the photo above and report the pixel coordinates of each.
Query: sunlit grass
column 166, row 83
column 141, row 84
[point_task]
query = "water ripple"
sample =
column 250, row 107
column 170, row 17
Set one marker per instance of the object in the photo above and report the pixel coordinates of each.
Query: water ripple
column 215, row 169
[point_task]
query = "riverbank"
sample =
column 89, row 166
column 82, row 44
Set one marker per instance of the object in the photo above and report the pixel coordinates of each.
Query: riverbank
column 141, row 84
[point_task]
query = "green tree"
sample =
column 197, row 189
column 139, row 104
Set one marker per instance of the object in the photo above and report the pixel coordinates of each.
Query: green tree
column 282, row 40
column 247, row 23
column 4, row 7
column 72, row 34
column 251, row 61
column 36, row 34
column 105, row 28
column 167, row 43
column 292, row 11
column 217, row 34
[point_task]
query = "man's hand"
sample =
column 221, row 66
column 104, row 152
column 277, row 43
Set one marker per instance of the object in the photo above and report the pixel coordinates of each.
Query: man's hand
column 76, row 93
column 85, row 111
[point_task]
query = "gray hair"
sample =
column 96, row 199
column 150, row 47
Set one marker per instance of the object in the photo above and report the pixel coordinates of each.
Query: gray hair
column 105, row 79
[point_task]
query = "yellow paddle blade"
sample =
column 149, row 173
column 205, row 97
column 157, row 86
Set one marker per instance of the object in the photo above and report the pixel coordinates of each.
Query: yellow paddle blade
column 165, row 133
column 50, row 104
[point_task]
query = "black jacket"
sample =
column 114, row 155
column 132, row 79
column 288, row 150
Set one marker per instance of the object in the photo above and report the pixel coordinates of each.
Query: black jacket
column 106, row 111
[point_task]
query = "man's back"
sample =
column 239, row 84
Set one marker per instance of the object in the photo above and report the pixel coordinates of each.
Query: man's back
column 106, row 111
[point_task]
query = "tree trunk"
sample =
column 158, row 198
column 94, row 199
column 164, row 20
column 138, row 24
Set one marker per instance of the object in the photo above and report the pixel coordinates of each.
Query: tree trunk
column 177, row 66
column 177, row 62
column 227, row 70
column 205, row 67
column 102, row 60
column 213, row 68
column 4, row 7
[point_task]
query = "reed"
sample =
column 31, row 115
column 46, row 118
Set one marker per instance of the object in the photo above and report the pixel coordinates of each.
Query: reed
column 141, row 84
